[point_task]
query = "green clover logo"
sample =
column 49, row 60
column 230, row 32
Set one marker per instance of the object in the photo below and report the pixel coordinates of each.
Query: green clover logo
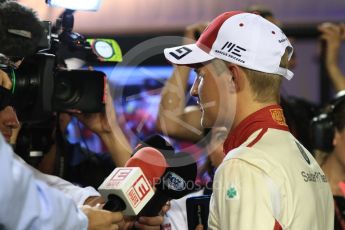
column 232, row 193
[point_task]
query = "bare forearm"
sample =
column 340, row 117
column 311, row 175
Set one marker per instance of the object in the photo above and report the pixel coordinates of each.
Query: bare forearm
column 173, row 99
column 337, row 77
column 174, row 91
column 118, row 146
column 174, row 118
column 333, row 34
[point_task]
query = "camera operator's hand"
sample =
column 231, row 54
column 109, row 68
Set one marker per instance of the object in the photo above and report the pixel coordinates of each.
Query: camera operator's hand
column 105, row 124
column 102, row 122
column 102, row 219
column 9, row 123
column 193, row 32
column 5, row 80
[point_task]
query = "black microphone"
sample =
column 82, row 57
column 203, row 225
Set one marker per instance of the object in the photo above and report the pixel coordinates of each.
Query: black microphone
column 176, row 182
column 20, row 30
column 158, row 142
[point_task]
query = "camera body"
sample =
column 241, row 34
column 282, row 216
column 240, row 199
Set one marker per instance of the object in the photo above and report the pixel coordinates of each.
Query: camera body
column 43, row 85
column 324, row 125
column 41, row 88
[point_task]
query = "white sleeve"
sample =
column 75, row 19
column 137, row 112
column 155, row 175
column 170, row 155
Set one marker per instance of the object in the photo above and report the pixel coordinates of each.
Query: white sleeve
column 178, row 214
column 213, row 216
column 27, row 203
column 78, row 194
column 241, row 198
column 176, row 217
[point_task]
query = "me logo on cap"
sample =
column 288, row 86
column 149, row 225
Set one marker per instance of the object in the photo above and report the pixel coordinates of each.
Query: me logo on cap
column 233, row 51
column 180, row 52
column 233, row 48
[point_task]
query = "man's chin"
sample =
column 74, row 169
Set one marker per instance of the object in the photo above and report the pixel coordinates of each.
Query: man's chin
column 210, row 123
column 205, row 123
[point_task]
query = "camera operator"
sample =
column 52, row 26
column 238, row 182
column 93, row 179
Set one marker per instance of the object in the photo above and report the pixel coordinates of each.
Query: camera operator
column 33, row 195
column 328, row 138
column 82, row 166
column 34, row 204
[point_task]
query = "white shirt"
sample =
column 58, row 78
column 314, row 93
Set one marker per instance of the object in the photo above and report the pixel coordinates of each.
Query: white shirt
column 274, row 182
column 29, row 203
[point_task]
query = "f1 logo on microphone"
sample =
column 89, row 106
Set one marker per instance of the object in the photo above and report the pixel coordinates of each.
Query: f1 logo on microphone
column 139, row 190
column 119, row 176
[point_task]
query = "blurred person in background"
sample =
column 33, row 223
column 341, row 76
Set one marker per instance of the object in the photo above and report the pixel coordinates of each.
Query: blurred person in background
column 333, row 34
column 328, row 132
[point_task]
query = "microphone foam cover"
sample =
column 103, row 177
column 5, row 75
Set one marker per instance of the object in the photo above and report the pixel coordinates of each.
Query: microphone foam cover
column 151, row 161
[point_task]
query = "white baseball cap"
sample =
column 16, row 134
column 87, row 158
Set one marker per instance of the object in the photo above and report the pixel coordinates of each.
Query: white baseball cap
column 241, row 38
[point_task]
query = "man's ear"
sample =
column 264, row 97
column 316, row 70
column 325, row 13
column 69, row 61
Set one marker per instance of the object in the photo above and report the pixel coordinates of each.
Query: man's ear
column 335, row 137
column 235, row 77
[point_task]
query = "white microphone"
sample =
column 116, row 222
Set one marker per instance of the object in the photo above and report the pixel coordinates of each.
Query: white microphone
column 126, row 188
column 129, row 189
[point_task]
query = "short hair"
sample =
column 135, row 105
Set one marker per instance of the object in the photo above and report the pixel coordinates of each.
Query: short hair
column 266, row 86
column 14, row 16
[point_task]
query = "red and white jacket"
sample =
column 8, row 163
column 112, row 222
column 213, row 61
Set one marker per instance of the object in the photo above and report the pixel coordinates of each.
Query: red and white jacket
column 268, row 180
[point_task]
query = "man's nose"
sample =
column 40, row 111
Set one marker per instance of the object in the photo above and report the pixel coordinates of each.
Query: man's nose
column 194, row 89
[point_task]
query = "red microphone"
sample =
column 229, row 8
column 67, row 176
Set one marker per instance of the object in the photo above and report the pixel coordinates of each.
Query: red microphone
column 151, row 161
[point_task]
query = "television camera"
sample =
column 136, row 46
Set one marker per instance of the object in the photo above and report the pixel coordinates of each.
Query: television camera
column 43, row 84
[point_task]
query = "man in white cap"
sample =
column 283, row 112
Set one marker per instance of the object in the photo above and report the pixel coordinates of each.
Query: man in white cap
column 267, row 180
